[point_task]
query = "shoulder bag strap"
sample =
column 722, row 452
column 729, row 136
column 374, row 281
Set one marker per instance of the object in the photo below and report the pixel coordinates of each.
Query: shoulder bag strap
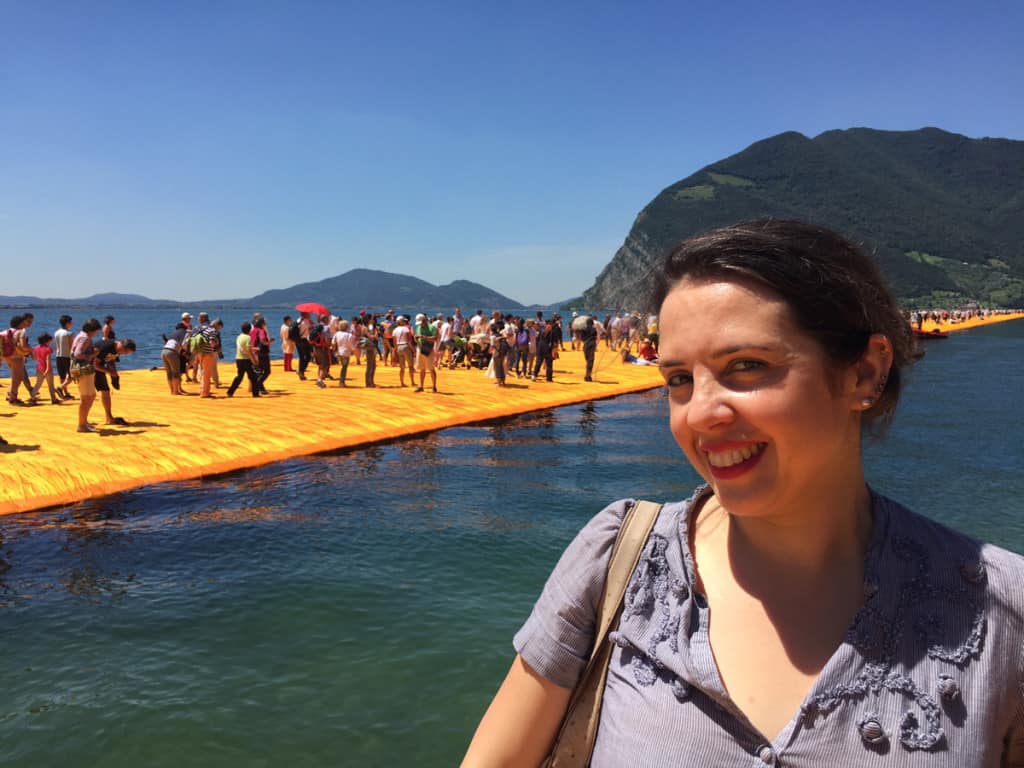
column 575, row 742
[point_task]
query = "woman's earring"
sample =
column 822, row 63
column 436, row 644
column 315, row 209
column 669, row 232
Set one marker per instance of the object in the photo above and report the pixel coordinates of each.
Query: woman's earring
column 867, row 402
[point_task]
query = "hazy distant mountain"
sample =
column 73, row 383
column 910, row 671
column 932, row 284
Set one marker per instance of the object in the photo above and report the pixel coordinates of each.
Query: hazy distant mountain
column 99, row 300
column 944, row 214
column 374, row 288
column 357, row 288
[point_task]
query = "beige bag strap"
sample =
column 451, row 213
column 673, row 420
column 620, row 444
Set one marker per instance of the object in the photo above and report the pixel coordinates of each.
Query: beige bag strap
column 575, row 742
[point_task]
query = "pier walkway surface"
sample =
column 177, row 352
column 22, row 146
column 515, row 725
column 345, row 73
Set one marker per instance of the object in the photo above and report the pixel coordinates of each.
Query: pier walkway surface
column 48, row 462
column 973, row 322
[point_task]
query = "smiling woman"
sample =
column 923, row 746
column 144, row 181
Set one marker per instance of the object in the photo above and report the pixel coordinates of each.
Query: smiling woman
column 786, row 613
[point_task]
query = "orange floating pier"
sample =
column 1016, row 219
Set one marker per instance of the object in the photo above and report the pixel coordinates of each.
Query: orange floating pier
column 49, row 463
column 930, row 326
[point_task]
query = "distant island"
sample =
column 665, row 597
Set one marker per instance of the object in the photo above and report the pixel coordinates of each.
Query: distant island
column 943, row 213
column 368, row 288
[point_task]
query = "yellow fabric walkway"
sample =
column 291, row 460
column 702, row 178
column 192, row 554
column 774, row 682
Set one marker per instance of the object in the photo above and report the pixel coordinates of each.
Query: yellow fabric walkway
column 176, row 438
column 930, row 325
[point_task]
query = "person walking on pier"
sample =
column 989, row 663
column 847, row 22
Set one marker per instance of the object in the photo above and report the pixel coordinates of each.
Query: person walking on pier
column 83, row 352
column 15, row 350
column 261, row 346
column 319, row 343
column 344, row 344
column 305, row 351
column 545, row 352
column 62, row 339
column 368, row 345
column 588, row 337
column 43, row 355
column 246, row 361
column 426, row 352
column 403, row 339
column 289, row 335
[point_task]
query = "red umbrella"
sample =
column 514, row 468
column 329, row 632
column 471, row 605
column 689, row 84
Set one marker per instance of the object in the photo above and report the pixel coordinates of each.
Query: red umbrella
column 313, row 308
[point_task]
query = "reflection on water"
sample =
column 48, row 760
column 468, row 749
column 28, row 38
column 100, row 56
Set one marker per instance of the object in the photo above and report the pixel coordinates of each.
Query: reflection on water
column 588, row 422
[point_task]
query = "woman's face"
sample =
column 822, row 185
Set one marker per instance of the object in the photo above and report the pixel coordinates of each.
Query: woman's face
column 754, row 403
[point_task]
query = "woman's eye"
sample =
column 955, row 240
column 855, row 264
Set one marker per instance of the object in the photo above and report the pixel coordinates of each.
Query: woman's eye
column 744, row 366
column 678, row 379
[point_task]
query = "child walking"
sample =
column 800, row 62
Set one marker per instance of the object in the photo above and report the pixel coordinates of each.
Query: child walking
column 43, row 354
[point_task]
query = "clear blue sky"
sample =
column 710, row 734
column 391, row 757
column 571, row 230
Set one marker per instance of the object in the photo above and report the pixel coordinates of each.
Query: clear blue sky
column 189, row 150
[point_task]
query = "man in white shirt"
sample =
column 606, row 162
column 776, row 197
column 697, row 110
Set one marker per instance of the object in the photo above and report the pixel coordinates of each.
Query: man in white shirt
column 444, row 340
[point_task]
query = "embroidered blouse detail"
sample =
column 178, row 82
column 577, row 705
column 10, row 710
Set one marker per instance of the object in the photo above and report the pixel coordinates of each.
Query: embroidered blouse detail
column 655, row 595
column 924, row 598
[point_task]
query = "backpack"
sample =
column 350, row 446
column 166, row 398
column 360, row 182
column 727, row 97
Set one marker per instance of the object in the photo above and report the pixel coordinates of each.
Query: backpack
column 293, row 332
column 194, row 342
column 316, row 335
column 523, row 337
column 200, row 340
column 501, row 346
column 8, row 342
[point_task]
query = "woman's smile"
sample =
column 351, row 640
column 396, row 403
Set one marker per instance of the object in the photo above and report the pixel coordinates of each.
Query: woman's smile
column 730, row 462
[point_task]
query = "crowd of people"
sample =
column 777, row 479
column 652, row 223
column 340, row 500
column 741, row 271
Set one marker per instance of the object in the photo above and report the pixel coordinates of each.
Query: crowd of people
column 81, row 359
column 918, row 317
column 317, row 346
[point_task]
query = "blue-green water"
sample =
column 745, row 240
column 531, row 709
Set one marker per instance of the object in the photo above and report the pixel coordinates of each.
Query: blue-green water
column 357, row 608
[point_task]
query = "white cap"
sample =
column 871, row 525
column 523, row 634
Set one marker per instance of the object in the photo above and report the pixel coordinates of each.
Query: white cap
column 420, row 317
column 186, row 316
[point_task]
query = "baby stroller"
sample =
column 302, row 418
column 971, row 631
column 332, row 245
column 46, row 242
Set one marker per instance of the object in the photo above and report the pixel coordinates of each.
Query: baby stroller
column 478, row 355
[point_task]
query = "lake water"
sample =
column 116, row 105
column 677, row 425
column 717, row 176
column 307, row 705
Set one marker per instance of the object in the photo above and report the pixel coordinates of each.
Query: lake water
column 357, row 608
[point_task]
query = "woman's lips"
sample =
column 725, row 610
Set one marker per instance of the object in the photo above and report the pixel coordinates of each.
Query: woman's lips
column 729, row 459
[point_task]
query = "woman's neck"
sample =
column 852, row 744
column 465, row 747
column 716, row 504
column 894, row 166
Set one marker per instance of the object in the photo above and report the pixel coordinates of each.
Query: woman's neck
column 821, row 535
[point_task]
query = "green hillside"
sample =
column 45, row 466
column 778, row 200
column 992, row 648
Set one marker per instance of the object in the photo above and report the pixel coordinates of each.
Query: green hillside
column 943, row 213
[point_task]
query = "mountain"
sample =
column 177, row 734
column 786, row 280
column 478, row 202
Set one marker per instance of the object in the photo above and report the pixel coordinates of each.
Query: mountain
column 357, row 288
column 374, row 288
column 942, row 213
column 100, row 300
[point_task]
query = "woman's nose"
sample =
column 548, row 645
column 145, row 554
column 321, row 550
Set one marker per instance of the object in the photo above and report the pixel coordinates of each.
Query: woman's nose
column 709, row 405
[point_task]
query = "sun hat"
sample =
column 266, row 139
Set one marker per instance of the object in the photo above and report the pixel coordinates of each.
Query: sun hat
column 420, row 317
column 401, row 319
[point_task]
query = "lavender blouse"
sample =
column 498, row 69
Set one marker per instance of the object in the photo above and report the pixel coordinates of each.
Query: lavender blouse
column 930, row 672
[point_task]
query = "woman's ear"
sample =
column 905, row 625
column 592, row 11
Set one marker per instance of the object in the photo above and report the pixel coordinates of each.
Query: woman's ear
column 871, row 372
